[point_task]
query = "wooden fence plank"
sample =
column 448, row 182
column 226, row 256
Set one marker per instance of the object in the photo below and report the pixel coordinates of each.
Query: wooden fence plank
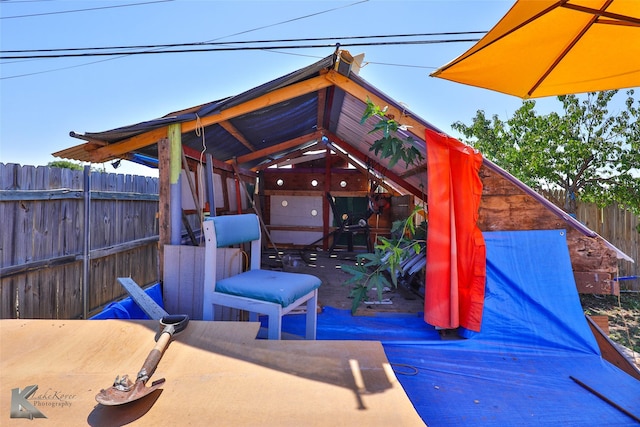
column 41, row 255
column 618, row 226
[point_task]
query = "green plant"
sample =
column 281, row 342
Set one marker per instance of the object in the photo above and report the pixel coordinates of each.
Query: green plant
column 390, row 145
column 382, row 268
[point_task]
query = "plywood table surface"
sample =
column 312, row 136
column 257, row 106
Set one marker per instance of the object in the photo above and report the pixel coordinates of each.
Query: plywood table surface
column 216, row 373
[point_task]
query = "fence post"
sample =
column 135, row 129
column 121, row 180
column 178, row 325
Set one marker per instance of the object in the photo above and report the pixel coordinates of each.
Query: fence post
column 87, row 242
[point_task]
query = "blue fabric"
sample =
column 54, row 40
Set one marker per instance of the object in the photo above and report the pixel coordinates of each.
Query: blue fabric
column 531, row 298
column 275, row 286
column 517, row 370
column 235, row 229
column 462, row 383
column 127, row 308
column 534, row 337
column 337, row 324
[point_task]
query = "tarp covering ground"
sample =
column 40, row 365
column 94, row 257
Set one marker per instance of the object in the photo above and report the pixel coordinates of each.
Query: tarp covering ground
column 518, row 369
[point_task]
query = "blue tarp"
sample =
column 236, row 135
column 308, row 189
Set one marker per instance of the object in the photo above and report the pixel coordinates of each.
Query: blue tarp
column 517, row 370
column 127, row 308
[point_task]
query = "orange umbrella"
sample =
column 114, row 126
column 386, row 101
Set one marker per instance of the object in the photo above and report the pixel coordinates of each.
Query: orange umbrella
column 555, row 47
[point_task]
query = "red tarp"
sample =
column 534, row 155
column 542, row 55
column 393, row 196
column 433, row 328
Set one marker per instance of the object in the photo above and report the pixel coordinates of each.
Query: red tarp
column 456, row 254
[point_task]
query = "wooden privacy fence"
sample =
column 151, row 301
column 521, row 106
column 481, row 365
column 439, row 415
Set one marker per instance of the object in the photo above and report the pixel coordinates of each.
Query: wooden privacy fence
column 616, row 225
column 46, row 269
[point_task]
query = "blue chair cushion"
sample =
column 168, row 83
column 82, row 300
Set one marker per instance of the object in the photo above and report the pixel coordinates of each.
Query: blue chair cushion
column 265, row 285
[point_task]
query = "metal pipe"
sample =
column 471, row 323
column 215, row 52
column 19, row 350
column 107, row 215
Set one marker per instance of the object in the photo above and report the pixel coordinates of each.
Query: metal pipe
column 87, row 241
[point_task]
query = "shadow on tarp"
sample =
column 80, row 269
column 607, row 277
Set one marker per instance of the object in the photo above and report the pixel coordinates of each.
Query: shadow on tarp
column 337, row 324
column 517, row 370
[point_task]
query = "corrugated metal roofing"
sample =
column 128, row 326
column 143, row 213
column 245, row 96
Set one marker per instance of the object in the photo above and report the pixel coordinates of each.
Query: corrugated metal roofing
column 266, row 127
column 297, row 118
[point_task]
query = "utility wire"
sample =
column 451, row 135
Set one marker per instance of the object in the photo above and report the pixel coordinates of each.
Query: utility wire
column 159, row 46
column 231, row 49
column 82, row 10
column 124, row 55
column 290, row 20
column 231, row 35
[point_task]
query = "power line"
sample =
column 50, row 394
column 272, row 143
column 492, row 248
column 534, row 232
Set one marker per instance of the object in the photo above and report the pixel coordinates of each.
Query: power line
column 219, row 38
column 230, row 49
column 82, row 10
column 172, row 45
column 291, row 20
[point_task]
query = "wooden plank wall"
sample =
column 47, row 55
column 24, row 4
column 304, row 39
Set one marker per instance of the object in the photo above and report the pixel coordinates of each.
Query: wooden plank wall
column 41, row 244
column 183, row 282
column 506, row 207
column 618, row 225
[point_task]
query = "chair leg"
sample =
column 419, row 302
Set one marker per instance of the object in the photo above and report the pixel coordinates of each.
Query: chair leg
column 312, row 316
column 275, row 327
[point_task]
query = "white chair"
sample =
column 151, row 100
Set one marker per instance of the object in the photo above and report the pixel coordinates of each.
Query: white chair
column 272, row 293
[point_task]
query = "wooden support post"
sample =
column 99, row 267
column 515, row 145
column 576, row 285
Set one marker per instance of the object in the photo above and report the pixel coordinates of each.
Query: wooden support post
column 164, row 207
column 175, row 166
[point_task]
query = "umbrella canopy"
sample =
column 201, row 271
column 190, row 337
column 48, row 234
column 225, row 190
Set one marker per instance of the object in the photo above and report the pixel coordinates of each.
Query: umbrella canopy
column 555, row 47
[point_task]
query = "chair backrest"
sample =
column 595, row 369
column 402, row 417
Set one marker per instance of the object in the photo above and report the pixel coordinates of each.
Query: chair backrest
column 222, row 231
column 229, row 230
column 235, row 229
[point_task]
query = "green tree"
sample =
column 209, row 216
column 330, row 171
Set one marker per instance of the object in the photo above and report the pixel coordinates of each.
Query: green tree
column 592, row 154
column 65, row 164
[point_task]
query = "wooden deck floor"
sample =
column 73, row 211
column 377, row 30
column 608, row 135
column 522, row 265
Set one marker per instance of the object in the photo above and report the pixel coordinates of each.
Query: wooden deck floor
column 334, row 292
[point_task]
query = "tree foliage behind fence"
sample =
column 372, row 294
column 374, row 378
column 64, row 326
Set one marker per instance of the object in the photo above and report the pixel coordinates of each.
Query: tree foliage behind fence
column 43, row 234
column 616, row 225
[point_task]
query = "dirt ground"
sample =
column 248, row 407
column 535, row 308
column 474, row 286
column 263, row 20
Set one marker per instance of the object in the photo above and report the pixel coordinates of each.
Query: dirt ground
column 623, row 313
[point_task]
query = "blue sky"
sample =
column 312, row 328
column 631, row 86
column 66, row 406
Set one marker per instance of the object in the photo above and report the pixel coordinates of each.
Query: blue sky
column 42, row 100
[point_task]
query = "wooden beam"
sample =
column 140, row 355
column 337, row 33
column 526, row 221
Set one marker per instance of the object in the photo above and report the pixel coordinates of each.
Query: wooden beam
column 414, row 171
column 322, row 100
column 292, row 143
column 288, row 158
column 164, row 210
column 363, row 170
column 137, row 142
column 610, row 351
column 117, row 149
column 364, row 158
column 195, row 155
column 237, row 134
column 354, row 89
column 274, row 97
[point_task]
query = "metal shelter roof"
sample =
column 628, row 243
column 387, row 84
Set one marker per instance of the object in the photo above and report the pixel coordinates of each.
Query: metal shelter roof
column 314, row 107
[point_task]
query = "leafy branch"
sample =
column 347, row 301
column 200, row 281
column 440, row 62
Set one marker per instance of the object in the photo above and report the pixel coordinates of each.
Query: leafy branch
column 390, row 145
column 382, row 268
